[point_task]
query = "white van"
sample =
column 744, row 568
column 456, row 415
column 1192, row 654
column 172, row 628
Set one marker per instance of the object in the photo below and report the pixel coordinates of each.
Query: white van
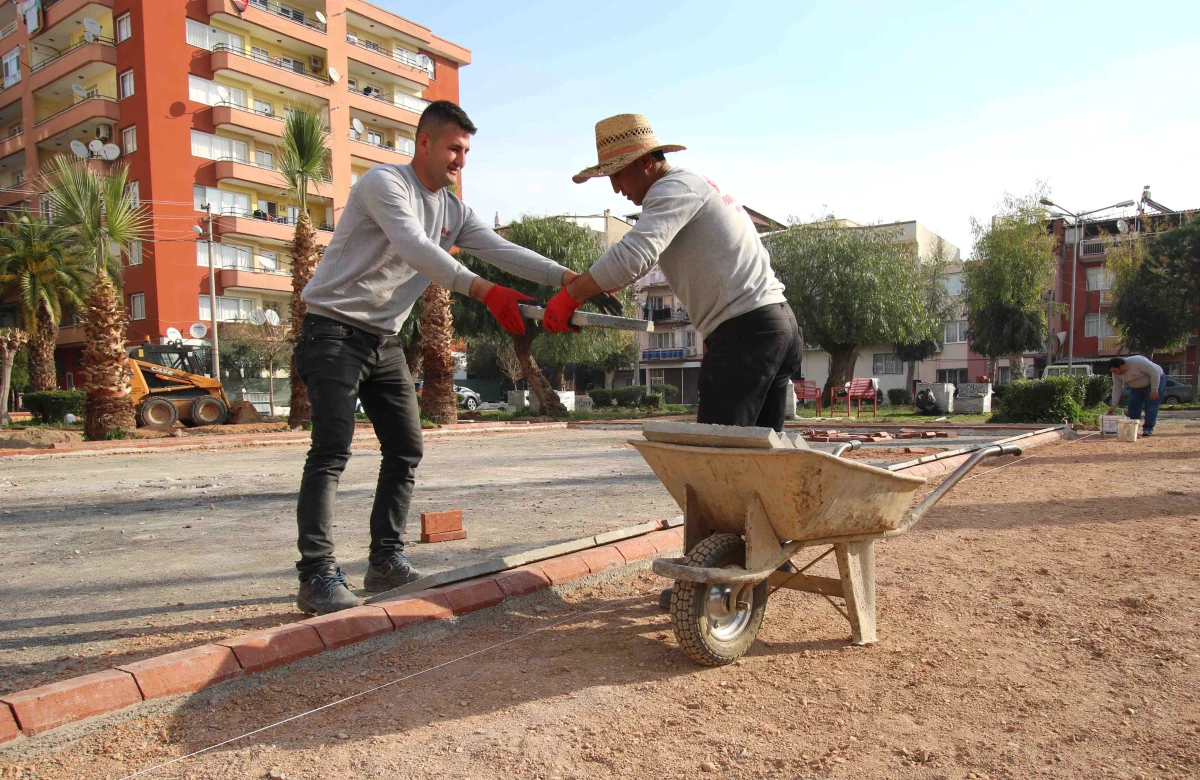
column 1082, row 369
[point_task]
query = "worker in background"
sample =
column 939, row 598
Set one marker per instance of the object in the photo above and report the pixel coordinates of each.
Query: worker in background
column 390, row 243
column 1146, row 382
column 715, row 262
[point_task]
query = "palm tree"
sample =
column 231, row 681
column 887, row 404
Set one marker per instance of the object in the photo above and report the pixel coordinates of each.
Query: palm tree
column 437, row 357
column 102, row 219
column 303, row 159
column 11, row 341
column 49, row 277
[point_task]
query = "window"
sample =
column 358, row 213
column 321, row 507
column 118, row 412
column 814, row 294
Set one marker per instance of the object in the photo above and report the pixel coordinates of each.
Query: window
column 353, row 175
column 228, row 309
column 956, row 332
column 137, row 306
column 133, row 256
column 210, row 92
column 134, row 193
column 662, row 340
column 1097, row 326
column 224, row 255
column 885, row 363
column 291, row 64
column 18, row 178
column 955, row 376
column 264, row 107
column 260, row 54
column 264, row 159
column 124, row 28
column 129, row 139
column 223, row 202
column 1004, row 375
column 1099, row 278
column 268, row 207
column 954, row 285
column 206, row 37
column 689, row 338
column 293, row 214
column 214, row 147
column 69, row 380
column 374, row 138
column 125, row 85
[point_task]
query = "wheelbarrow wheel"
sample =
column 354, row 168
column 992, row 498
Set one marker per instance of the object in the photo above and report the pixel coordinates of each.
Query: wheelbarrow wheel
column 710, row 627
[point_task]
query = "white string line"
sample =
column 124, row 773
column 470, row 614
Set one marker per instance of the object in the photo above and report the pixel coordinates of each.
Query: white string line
column 343, row 700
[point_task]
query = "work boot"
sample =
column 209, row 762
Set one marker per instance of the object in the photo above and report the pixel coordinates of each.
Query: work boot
column 391, row 573
column 664, row 598
column 325, row 592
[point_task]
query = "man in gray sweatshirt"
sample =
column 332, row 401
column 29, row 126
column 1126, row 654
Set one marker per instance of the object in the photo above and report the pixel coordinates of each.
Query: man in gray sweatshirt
column 1146, row 382
column 391, row 241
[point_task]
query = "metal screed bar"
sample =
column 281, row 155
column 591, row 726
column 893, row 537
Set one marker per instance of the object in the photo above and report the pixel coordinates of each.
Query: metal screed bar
column 583, row 319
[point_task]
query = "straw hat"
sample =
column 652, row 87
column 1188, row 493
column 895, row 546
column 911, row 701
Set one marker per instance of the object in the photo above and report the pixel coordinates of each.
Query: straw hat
column 620, row 140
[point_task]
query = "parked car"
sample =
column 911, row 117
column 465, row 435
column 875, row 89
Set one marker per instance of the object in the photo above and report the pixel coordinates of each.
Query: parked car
column 470, row 399
column 1079, row 369
column 1176, row 392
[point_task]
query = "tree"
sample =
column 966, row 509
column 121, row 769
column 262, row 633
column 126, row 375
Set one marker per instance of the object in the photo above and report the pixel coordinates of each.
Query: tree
column 437, row 356
column 303, row 160
column 621, row 359
column 1005, row 283
column 11, row 341
column 569, row 244
column 101, row 214
column 37, row 262
column 849, row 287
column 257, row 348
column 938, row 309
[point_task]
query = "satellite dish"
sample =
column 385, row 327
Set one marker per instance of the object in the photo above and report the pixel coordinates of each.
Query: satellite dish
column 92, row 26
column 79, row 90
column 257, row 317
column 1122, row 226
column 173, row 334
column 110, row 152
column 358, row 126
column 198, row 330
column 80, row 150
column 89, row 37
column 223, row 92
column 334, row 76
column 320, row 17
column 272, row 317
column 97, row 146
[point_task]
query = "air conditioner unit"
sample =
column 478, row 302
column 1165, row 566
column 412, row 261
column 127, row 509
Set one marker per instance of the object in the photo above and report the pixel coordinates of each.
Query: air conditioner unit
column 104, row 132
column 316, row 62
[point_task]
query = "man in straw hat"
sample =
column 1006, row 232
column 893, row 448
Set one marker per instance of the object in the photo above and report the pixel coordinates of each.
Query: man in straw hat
column 711, row 255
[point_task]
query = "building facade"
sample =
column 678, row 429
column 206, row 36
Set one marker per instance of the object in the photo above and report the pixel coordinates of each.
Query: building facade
column 194, row 95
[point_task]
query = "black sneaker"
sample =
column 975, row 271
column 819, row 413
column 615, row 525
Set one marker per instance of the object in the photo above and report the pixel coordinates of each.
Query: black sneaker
column 392, row 573
column 1148, row 433
column 325, row 592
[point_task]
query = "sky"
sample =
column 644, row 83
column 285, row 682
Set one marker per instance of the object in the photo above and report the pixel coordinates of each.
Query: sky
column 871, row 111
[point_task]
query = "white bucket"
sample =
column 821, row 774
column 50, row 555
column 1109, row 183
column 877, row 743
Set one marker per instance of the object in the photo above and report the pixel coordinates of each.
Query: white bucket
column 1127, row 430
column 1108, row 423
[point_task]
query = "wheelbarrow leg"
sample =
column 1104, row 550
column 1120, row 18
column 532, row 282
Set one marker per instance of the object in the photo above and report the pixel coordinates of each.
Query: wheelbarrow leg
column 856, row 562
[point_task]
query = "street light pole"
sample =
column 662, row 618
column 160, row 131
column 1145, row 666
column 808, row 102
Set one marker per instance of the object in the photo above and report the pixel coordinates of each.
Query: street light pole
column 212, row 295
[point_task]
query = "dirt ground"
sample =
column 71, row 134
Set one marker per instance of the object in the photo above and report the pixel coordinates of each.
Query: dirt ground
column 18, row 438
column 1044, row 620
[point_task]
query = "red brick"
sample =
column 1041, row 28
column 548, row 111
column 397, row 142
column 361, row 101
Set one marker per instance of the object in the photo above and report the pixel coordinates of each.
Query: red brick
column 186, row 671
column 601, row 559
column 522, row 581
column 565, row 568
column 49, row 706
column 348, row 626
column 637, row 549
column 264, row 650
column 444, row 536
column 473, row 595
column 408, row 611
column 440, row 522
column 8, row 724
column 666, row 541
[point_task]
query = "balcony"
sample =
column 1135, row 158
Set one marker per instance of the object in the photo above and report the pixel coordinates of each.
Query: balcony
column 404, row 110
column 1094, row 250
column 662, row 354
column 228, row 59
column 70, row 336
column 363, row 13
column 666, row 315
column 247, row 120
column 402, row 65
column 384, row 154
column 15, row 196
column 1109, row 344
column 1106, row 297
column 254, row 279
column 58, row 11
column 251, row 174
column 13, row 144
column 258, row 226
column 100, row 107
column 267, row 14
column 65, row 63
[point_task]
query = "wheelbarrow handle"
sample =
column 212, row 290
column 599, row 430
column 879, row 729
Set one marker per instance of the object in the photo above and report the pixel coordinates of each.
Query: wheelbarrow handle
column 842, row 448
column 993, row 451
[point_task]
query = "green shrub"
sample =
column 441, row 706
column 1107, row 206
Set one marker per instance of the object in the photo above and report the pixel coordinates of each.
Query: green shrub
column 652, row 401
column 1042, row 401
column 900, row 396
column 1099, row 387
column 667, row 391
column 50, row 406
column 630, row 396
column 998, row 392
column 601, row 398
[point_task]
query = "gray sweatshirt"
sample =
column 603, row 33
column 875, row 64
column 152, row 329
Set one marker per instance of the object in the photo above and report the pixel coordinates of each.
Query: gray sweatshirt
column 707, row 247
column 391, row 242
column 1139, row 372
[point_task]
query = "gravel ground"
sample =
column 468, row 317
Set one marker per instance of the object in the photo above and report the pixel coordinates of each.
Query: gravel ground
column 1044, row 620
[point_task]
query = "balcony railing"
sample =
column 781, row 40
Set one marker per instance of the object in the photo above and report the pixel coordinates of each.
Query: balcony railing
column 1106, row 297
column 1109, row 343
column 274, row 62
column 403, row 146
column 248, row 110
column 74, row 105
column 662, row 354
column 678, row 314
column 414, row 104
column 292, row 15
column 250, row 267
column 418, row 61
column 9, row 30
column 263, row 216
column 1093, row 248
column 69, row 50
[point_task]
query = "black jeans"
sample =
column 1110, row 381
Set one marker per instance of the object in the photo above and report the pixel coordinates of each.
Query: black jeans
column 341, row 364
column 747, row 363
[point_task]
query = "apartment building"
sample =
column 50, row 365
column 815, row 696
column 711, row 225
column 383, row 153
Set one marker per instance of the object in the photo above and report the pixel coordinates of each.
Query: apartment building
column 194, row 94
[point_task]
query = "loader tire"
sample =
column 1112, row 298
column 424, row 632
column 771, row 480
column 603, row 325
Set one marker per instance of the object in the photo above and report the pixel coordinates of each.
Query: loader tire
column 157, row 413
column 707, row 624
column 208, row 410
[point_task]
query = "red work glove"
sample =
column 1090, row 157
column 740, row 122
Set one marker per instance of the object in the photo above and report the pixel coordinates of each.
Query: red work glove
column 502, row 303
column 558, row 313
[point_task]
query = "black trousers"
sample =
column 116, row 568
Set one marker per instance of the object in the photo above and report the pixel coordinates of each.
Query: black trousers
column 341, row 364
column 747, row 363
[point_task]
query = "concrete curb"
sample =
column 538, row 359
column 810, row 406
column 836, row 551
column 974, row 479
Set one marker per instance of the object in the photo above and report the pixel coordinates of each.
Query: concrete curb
column 38, row 710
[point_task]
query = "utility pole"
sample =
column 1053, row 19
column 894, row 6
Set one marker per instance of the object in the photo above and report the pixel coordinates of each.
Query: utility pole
column 212, row 294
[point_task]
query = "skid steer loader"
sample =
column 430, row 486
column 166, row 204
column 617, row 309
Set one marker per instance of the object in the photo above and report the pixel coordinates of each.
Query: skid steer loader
column 169, row 387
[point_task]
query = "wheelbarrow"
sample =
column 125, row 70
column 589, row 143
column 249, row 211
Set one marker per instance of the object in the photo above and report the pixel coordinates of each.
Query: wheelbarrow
column 751, row 501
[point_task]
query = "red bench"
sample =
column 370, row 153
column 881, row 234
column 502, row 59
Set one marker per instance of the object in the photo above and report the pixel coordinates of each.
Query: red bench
column 859, row 390
column 807, row 390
